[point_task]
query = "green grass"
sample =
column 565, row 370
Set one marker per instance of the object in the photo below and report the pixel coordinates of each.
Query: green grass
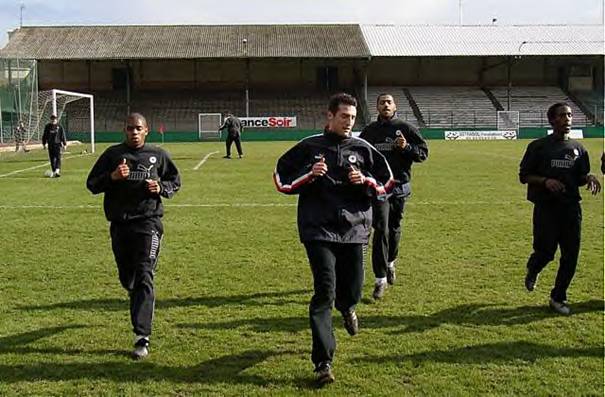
column 233, row 287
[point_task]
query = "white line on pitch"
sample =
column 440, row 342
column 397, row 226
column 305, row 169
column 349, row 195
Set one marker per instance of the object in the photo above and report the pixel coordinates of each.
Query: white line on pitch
column 203, row 160
column 39, row 166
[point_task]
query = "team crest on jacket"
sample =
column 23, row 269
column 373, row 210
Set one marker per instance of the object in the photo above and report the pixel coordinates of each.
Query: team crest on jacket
column 352, row 159
column 153, row 159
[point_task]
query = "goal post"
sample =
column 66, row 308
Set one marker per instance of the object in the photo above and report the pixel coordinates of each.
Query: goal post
column 508, row 120
column 208, row 125
column 60, row 100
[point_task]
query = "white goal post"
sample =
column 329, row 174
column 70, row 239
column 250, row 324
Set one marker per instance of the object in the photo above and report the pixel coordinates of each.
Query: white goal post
column 77, row 95
column 508, row 120
column 208, row 125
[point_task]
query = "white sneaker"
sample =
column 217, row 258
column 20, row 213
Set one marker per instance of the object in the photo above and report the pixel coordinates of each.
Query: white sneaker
column 559, row 307
column 141, row 349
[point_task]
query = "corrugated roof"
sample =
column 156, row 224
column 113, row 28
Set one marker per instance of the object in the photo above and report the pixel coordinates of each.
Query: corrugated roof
column 186, row 41
column 413, row 40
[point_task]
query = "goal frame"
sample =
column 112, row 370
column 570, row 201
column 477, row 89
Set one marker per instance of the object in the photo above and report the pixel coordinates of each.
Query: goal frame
column 215, row 131
column 90, row 97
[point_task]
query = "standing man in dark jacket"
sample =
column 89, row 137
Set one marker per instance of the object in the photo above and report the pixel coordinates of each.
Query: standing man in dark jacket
column 234, row 130
column 553, row 168
column 54, row 136
column 134, row 176
column 401, row 144
column 336, row 176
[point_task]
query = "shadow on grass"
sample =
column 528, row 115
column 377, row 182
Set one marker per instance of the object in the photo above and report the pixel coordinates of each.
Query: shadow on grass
column 275, row 324
column 471, row 314
column 491, row 352
column 25, row 343
column 229, row 369
column 113, row 304
column 475, row 314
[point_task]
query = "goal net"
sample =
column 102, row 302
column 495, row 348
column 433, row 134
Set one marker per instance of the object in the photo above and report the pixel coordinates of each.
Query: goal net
column 74, row 111
column 208, row 125
column 508, row 120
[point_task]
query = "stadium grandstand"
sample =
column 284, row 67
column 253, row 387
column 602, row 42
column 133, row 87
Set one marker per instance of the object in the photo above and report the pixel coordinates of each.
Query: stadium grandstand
column 443, row 77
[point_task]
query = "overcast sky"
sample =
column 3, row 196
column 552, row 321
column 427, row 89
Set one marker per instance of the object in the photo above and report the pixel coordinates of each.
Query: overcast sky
column 444, row 12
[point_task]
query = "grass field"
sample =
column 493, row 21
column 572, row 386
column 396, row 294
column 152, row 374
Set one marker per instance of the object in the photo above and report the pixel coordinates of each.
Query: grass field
column 233, row 287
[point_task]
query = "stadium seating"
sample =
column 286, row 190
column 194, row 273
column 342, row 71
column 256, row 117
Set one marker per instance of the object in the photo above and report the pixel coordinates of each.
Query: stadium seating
column 533, row 102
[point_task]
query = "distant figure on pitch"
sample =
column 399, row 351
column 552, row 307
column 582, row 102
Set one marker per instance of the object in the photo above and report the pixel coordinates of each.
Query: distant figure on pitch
column 234, row 130
column 402, row 145
column 54, row 136
column 20, row 136
column 134, row 176
column 553, row 168
column 335, row 176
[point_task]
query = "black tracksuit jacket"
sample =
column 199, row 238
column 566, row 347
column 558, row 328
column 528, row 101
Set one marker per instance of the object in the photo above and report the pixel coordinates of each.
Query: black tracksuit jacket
column 330, row 208
column 129, row 200
column 382, row 134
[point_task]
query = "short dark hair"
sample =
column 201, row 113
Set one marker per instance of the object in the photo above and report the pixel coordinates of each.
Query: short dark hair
column 53, row 116
column 383, row 94
column 340, row 99
column 138, row 116
column 552, row 110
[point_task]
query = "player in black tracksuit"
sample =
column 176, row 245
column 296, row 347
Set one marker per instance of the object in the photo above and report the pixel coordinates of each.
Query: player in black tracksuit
column 336, row 177
column 234, row 129
column 134, row 176
column 402, row 145
column 553, row 168
column 54, row 136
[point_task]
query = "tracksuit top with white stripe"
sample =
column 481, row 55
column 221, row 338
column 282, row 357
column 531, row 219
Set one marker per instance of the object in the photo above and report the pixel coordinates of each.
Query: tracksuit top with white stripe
column 330, row 208
column 129, row 200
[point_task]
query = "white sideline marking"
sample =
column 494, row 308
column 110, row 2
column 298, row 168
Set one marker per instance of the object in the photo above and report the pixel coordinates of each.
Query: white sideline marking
column 203, row 160
column 40, row 166
column 249, row 205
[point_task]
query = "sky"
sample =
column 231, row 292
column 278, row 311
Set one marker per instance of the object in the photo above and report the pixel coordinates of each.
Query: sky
column 178, row 12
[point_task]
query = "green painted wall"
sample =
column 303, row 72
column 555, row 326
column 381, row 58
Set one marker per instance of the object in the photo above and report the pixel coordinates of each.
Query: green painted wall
column 295, row 135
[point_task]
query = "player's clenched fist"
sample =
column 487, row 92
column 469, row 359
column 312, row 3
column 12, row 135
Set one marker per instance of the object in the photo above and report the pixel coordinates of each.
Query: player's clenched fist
column 153, row 186
column 121, row 172
column 355, row 176
column 320, row 168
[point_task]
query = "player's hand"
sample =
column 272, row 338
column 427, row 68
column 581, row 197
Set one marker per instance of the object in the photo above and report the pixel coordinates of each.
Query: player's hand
column 153, row 186
column 400, row 142
column 554, row 185
column 355, row 176
column 121, row 172
column 320, row 168
column 593, row 184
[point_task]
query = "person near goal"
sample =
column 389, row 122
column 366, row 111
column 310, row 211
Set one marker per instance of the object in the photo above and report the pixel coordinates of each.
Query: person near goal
column 134, row 177
column 553, row 168
column 234, row 129
column 54, row 137
column 402, row 145
column 336, row 176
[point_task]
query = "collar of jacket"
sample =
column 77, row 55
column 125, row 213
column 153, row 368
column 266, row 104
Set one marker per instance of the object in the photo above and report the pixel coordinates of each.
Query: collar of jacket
column 382, row 120
column 334, row 137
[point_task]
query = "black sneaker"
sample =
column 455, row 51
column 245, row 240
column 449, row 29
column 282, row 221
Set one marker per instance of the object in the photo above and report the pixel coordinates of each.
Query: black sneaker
column 350, row 322
column 227, row 157
column 531, row 278
column 391, row 275
column 323, row 373
column 379, row 290
column 141, row 349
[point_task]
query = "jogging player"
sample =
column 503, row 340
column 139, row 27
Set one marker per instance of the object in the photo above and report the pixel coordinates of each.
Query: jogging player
column 134, row 176
column 402, row 145
column 553, row 168
column 336, row 177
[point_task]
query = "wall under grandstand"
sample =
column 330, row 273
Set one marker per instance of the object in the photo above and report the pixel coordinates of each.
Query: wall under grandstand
column 295, row 135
